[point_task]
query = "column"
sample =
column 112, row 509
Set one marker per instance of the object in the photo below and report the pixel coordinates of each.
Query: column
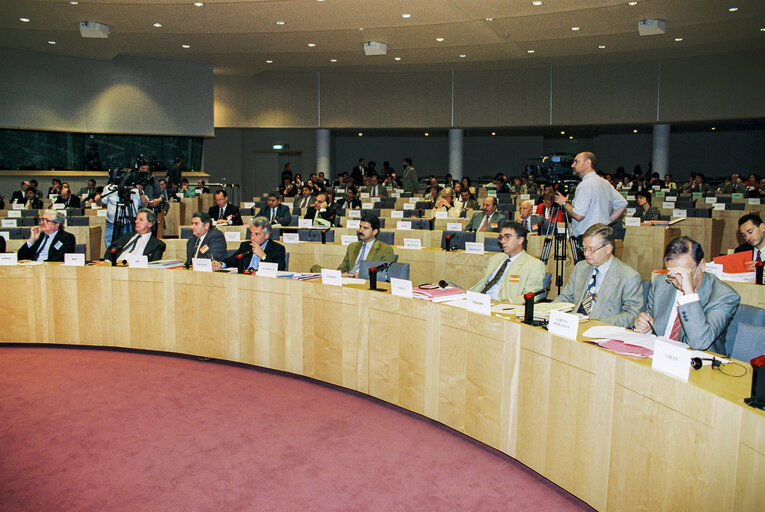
column 322, row 152
column 455, row 153
column 660, row 154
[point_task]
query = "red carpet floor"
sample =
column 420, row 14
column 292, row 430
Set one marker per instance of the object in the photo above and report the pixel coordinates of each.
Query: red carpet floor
column 102, row 430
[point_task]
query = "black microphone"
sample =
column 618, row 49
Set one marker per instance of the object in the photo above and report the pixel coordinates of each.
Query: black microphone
column 240, row 261
column 448, row 242
column 113, row 256
column 528, row 302
column 373, row 275
column 698, row 362
column 323, row 236
column 380, row 267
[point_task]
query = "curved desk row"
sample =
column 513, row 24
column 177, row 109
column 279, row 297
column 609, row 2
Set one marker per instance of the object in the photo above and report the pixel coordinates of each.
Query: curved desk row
column 607, row 428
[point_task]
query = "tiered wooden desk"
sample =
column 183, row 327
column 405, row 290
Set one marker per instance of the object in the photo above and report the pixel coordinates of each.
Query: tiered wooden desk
column 644, row 247
column 606, row 428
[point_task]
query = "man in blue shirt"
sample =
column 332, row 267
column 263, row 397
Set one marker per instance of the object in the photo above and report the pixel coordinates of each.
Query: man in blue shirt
column 259, row 249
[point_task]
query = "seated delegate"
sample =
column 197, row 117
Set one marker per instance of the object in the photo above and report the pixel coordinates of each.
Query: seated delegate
column 207, row 242
column 259, row 249
column 140, row 242
column 48, row 241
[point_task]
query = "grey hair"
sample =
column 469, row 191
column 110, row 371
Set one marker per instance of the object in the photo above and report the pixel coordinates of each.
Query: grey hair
column 56, row 216
column 150, row 215
column 263, row 223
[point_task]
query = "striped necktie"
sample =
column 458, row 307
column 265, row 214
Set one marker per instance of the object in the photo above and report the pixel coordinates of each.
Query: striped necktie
column 588, row 295
column 496, row 277
column 675, row 334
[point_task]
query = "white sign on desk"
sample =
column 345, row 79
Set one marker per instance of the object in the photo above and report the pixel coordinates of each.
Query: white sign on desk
column 8, row 223
column 291, row 238
column 412, row 243
column 442, row 215
column 409, row 206
column 101, row 213
column 671, row 357
column 413, row 199
column 397, row 214
column 525, row 197
column 401, row 287
column 201, row 265
column 14, row 214
column 474, row 248
column 562, row 324
column 331, row 277
column 142, row 261
column 671, row 199
column 93, row 206
column 232, row 236
column 367, row 206
column 305, row 223
column 353, row 224
column 74, row 259
column 632, row 221
column 680, row 213
column 17, row 206
column 8, row 258
column 753, row 200
column 453, row 226
column 364, row 195
column 404, row 224
column 719, row 206
column 248, row 205
column 668, row 205
column 6, row 235
column 58, row 206
column 716, row 269
column 354, row 214
column 710, row 200
column 478, row 303
column 631, row 211
column 348, row 239
column 266, row 269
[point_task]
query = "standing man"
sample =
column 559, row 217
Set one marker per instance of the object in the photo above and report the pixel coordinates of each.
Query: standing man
column 275, row 211
column 487, row 220
column 110, row 199
column 601, row 286
column 753, row 230
column 595, row 200
column 409, row 178
column 259, row 249
column 174, row 173
column 367, row 248
column 207, row 242
column 48, row 241
column 225, row 213
column 510, row 275
column 358, row 173
column 141, row 241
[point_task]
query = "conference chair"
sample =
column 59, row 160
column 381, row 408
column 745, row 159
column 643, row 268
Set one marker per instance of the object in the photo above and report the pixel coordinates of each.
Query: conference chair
column 413, row 213
column 397, row 270
column 421, row 224
column 74, row 212
column 491, row 244
column 458, row 239
column 77, row 221
column 29, row 213
column 314, row 235
column 735, row 206
column 294, row 219
column 387, row 202
column 546, row 283
column 186, row 233
column 738, row 341
column 422, row 205
column 373, row 211
column 387, row 237
column 28, row 222
column 619, row 230
column 14, row 233
column 704, row 213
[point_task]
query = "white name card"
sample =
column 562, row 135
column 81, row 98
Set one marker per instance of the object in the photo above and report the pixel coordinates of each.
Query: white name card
column 404, row 224
column 248, row 205
column 413, row 199
column 93, row 206
column 364, row 195
column 672, row 358
column 291, row 238
column 632, row 221
column 630, row 198
column 631, row 211
column 348, row 239
column 266, row 269
column 442, row 215
column 179, row 195
column 525, row 197
column 396, row 194
column 656, row 187
column 232, row 236
column 8, row 223
column 18, row 206
column 412, row 243
column 401, row 287
column 8, row 258
column 62, row 212
column 101, row 213
column 474, row 248
column 354, row 214
column 667, row 204
column 719, row 206
column 201, row 265
column 710, row 200
column 305, row 223
column 453, row 226
column 562, row 324
column 751, row 200
column 478, row 303
column 680, row 213
column 74, row 260
column 409, row 206
column 397, row 214
column 141, row 261
column 353, row 224
column 671, row 199
column 14, row 214
column 331, row 277
column 58, row 206
column 715, row 269
column 6, row 235
column 367, row 206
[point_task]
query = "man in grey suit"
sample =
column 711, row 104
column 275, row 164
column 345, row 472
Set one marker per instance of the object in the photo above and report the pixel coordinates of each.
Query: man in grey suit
column 409, row 180
column 487, row 220
column 689, row 305
column 527, row 219
column 207, row 242
column 603, row 287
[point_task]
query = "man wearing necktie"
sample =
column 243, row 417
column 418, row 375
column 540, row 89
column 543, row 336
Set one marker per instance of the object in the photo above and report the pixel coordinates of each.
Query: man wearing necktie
column 601, row 286
column 753, row 230
column 489, row 219
column 530, row 221
column 689, row 305
column 367, row 248
column 223, row 212
column 305, row 199
column 207, row 242
column 259, row 249
column 48, row 241
column 141, row 242
column 375, row 189
column 275, row 211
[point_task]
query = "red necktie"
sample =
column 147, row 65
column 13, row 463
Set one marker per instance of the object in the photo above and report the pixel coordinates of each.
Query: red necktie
column 675, row 334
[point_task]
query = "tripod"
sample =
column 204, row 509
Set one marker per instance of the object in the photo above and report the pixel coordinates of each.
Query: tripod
column 561, row 240
column 124, row 217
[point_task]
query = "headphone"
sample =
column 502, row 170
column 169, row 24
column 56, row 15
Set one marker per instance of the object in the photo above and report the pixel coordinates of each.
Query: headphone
column 698, row 362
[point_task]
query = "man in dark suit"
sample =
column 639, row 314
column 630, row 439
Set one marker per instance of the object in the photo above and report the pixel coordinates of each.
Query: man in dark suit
column 319, row 211
column 207, row 242
column 275, row 211
column 753, row 230
column 32, row 201
column 259, row 249
column 225, row 213
column 2, row 244
column 305, row 199
column 48, row 241
column 487, row 220
column 141, row 241
column 358, row 173
column 350, row 202
column 19, row 196
column 174, row 173
column 201, row 187
column 67, row 199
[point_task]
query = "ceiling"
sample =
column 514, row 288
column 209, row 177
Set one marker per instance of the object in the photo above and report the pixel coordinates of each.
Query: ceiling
column 239, row 37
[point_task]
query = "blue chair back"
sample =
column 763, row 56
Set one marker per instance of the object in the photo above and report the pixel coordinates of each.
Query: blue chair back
column 386, row 237
column 458, row 238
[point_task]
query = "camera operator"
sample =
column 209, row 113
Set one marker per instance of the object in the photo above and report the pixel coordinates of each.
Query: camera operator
column 595, row 200
column 149, row 187
column 110, row 198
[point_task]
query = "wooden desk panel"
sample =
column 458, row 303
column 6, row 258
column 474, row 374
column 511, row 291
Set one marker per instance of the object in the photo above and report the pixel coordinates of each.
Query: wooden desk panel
column 644, row 247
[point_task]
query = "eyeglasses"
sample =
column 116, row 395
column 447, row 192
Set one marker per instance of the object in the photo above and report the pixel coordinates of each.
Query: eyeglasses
column 588, row 250
column 44, row 220
column 506, row 236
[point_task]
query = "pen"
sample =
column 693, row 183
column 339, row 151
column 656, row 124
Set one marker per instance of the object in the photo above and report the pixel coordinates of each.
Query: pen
column 652, row 329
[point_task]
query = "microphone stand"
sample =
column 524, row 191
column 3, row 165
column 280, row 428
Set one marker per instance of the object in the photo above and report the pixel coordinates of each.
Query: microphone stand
column 373, row 276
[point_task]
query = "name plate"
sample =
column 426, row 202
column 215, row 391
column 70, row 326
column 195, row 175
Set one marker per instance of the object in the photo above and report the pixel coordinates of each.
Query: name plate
column 397, row 214
column 442, row 215
column 401, row 287
column 659, row 194
column 331, row 277
column 631, row 211
column 412, row 243
column 478, row 303
column 397, row 194
column 710, row 200
column 672, row 358
column 101, row 213
column 656, row 187
column 719, row 206
column 409, row 206
column 453, row 226
column 671, row 199
column 413, row 199
column 562, row 324
column 141, row 261
column 201, row 265
column 753, row 200
column 6, row 235
column 8, row 258
column 348, row 239
column 696, row 195
column 525, row 197
column 179, row 195
column 14, row 214
column 248, row 205
column 491, row 193
column 716, row 269
column 291, row 238
column 266, row 269
column 632, row 221
column 680, row 213
column 474, row 248
column 668, row 204
column 404, row 224
column 8, row 223
column 93, row 206
column 58, row 206
column 232, row 236
column 74, row 260
column 630, row 198
column 305, row 223
column 353, row 224
column 18, row 206
column 737, row 195
column 364, row 195
column 367, row 206
column 354, row 214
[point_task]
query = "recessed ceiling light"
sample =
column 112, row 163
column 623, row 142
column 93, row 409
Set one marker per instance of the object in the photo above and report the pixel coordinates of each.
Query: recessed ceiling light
column 187, row 46
column 311, row 45
column 281, row 22
column 733, row 9
column 406, row 16
column 74, row 3
column 269, row 61
column 396, row 58
column 361, row 134
column 634, row 131
column 571, row 137
column 462, row 56
column 537, row 3
column 361, row 28
column 575, row 29
column 530, row 51
column 24, row 20
column 199, row 4
column 439, row 39
column 157, row 25
column 489, row 19
column 51, row 42
column 678, row 39
column 631, row 3
column 319, row 0
column 762, row 29
column 563, row 132
column 427, row 134
column 333, row 60
column 493, row 133
column 601, row 46
column 714, row 128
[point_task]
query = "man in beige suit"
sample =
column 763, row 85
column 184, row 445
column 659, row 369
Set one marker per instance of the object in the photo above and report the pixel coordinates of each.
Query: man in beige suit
column 511, row 273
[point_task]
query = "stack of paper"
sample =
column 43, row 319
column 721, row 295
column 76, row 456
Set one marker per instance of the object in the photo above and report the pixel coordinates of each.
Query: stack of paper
column 541, row 309
column 166, row 264
column 439, row 294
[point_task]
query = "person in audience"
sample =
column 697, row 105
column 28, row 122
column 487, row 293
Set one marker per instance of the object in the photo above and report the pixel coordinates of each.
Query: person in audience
column 260, row 248
column 67, row 199
column 699, row 184
column 358, row 173
column 753, row 181
column 409, row 179
column 321, row 181
column 487, row 220
column 513, row 272
column 545, row 208
column 432, row 193
column 501, row 185
column 595, row 202
column 669, row 182
column 445, row 202
column 224, row 213
column 207, row 242
column 33, row 183
column 390, row 180
column 351, row 202
column 467, row 183
column 48, row 241
column 201, row 186
column 184, row 189
column 298, row 181
column 33, row 202
column 688, row 305
column 644, row 210
column 732, row 186
column 2, row 202
column 332, row 205
column 312, row 182
column 305, row 199
column 275, row 211
column 366, row 248
column 655, row 181
column 752, row 229
column 318, row 212
column 288, row 190
column 601, row 286
column 88, row 192
column 19, row 196
column 372, row 168
column 448, row 181
column 625, row 184
column 2, row 244
column 758, row 192
column 140, row 241
column 468, row 201
column 174, row 173
column 531, row 184
column 55, row 187
column 165, row 195
column 528, row 220
column 287, row 171
column 375, row 189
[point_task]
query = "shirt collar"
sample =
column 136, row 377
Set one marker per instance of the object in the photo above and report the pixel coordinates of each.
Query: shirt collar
column 605, row 266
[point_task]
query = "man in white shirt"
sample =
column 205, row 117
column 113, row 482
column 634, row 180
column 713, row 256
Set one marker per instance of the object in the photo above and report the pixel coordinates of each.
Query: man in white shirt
column 140, row 242
column 753, row 230
column 487, row 220
column 528, row 220
column 110, row 198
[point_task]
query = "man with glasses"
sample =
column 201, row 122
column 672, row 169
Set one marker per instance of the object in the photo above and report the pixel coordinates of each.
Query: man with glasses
column 513, row 272
column 48, row 241
column 689, row 305
column 601, row 286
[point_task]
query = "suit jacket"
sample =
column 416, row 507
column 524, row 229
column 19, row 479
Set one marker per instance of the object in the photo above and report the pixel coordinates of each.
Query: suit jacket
column 526, row 274
column 18, row 196
column 349, row 205
column 37, row 204
column 619, row 299
column 495, row 222
column 704, row 322
column 535, row 219
column 153, row 251
column 310, row 213
column 2, row 244
column 67, row 243
column 215, row 242
column 380, row 251
column 381, row 190
column 299, row 201
column 409, row 180
column 282, row 218
column 73, row 202
column 231, row 212
column 275, row 253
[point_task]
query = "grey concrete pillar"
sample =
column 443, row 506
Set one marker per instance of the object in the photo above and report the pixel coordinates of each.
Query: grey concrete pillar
column 455, row 153
column 660, row 154
column 322, row 152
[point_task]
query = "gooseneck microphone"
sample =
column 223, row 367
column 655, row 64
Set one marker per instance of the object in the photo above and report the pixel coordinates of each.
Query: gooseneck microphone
column 240, row 259
column 448, row 242
column 113, row 256
column 528, row 302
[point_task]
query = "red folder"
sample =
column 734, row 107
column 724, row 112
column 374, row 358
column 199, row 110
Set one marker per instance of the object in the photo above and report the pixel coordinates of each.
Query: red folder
column 735, row 263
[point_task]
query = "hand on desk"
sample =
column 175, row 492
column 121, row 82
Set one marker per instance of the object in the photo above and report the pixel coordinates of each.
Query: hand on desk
column 216, row 265
column 349, row 274
column 643, row 323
